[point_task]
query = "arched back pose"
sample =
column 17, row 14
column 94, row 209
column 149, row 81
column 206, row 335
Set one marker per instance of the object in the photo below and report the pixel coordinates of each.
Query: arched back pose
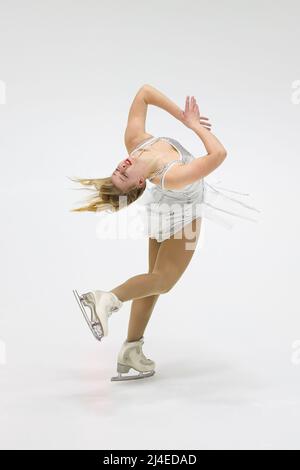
column 175, row 209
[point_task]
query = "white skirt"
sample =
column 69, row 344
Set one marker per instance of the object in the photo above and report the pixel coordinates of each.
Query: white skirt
column 164, row 214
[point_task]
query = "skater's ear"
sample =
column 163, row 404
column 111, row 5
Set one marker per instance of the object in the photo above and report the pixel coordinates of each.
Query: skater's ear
column 141, row 182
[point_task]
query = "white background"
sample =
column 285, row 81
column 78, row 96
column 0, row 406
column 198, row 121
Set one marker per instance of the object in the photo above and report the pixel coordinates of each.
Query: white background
column 227, row 373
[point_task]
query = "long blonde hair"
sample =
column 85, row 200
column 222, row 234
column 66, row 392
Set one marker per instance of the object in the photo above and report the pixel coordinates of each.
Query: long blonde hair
column 106, row 196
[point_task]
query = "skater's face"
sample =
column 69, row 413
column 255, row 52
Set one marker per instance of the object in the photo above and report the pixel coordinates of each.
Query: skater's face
column 127, row 175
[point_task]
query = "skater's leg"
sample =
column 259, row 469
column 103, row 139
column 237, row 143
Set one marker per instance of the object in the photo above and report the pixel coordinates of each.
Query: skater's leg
column 173, row 257
column 141, row 309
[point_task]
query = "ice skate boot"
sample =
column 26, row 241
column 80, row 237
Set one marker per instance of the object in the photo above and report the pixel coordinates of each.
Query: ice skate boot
column 131, row 356
column 101, row 305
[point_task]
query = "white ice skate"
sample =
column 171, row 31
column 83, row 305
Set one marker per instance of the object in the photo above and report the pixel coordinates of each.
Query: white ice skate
column 131, row 356
column 101, row 305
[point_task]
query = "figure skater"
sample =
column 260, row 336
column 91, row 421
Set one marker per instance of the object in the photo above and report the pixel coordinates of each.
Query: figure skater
column 174, row 207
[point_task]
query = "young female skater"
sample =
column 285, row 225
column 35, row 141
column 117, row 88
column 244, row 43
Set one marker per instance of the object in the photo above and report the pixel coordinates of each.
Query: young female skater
column 174, row 207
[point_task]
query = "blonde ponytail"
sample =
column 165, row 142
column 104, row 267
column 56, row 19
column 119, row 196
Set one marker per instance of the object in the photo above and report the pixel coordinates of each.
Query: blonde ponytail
column 106, row 196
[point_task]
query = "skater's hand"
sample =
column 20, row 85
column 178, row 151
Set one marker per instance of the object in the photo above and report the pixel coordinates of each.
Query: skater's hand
column 191, row 115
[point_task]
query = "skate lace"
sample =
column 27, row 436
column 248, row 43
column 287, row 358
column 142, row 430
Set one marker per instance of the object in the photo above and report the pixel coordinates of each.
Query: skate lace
column 111, row 310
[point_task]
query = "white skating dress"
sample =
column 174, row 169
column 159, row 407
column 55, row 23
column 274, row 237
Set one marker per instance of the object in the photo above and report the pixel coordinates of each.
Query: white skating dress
column 166, row 211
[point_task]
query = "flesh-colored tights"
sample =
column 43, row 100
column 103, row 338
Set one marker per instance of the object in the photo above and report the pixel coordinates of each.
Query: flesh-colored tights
column 167, row 262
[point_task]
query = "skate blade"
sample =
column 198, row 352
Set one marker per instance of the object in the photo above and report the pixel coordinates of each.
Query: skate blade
column 94, row 326
column 142, row 375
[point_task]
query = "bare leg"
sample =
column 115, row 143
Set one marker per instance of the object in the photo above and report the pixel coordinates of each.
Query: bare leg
column 172, row 259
